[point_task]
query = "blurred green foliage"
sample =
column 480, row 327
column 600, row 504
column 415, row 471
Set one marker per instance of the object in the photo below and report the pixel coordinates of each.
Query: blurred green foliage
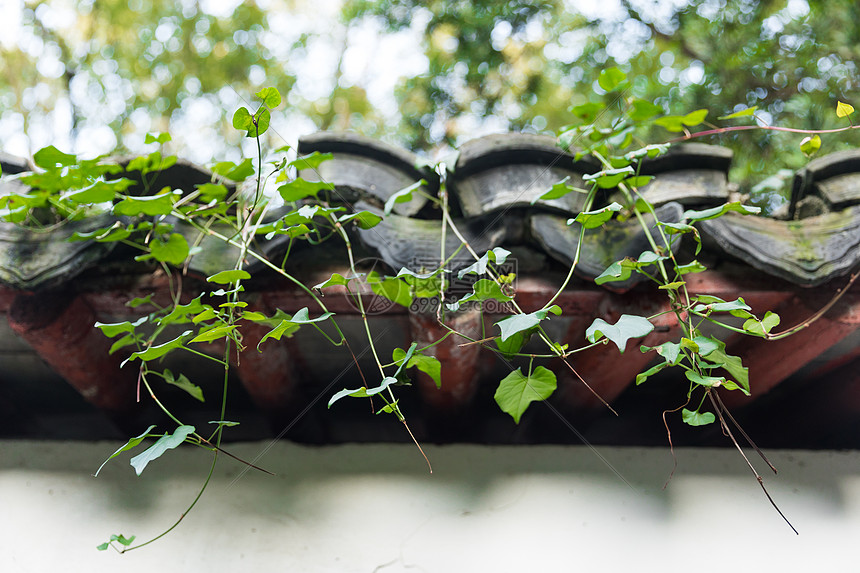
column 128, row 68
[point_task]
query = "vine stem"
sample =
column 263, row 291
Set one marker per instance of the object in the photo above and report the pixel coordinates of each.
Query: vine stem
column 393, row 404
column 731, row 128
column 817, row 315
column 184, row 513
column 543, row 336
column 589, row 200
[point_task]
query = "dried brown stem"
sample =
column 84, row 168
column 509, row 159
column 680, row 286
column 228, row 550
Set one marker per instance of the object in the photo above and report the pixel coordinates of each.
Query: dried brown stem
column 743, row 432
column 758, row 478
column 671, row 445
column 817, row 315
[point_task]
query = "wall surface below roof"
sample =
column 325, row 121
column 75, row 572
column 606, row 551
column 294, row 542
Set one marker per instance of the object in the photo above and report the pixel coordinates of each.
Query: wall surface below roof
column 375, row 508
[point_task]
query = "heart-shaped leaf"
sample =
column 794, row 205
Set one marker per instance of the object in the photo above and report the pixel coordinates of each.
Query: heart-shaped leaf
column 628, row 326
column 516, row 390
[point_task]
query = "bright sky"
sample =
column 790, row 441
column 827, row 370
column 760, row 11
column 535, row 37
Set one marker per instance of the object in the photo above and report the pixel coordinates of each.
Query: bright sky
column 374, row 60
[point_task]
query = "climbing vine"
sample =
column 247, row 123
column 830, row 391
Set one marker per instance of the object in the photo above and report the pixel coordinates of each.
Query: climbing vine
column 238, row 207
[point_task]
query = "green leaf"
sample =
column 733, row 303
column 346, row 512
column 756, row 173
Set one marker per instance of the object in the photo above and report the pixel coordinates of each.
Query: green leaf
column 714, row 212
column 761, row 327
column 50, row 158
column 312, row 161
column 691, row 267
column 694, row 118
column 609, row 178
column 708, row 381
column 234, row 171
column 483, row 289
column 291, row 324
column 810, row 145
column 224, row 423
column 731, row 364
column 611, row 78
column 843, row 109
column 720, row 305
column 697, row 418
column 672, row 123
column 306, row 214
column 589, row 111
column 131, row 443
column 279, row 229
column 285, row 328
column 402, row 196
column 520, row 322
column 302, row 316
column 617, row 271
column 115, row 232
column 181, row 312
column 594, row 219
column 126, row 340
column 212, row 192
column 336, row 279
column 683, row 228
column 115, row 328
column 229, row 277
column 208, row 334
column 184, row 384
column 298, row 189
column 705, row 345
column 364, row 219
column 621, row 270
column 729, row 385
column 516, row 391
column 423, row 285
column 643, row 376
column 100, row 191
column 641, row 110
column 121, row 539
column 271, row 97
column 391, row 288
column 429, row 365
column 363, row 392
column 242, row 120
column 139, row 301
column 160, row 350
column 627, row 327
column 639, row 181
column 164, row 443
column 671, row 351
column 261, row 123
column 160, row 138
column 173, row 251
column 559, row 190
column 515, row 342
column 497, row 255
column 650, row 151
column 770, row 320
column 161, row 204
column 742, row 113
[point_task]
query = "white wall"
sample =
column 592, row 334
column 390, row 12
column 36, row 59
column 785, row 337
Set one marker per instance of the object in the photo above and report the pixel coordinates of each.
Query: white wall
column 375, row 508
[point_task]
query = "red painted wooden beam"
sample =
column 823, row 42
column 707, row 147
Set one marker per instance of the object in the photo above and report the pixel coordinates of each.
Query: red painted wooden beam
column 60, row 329
column 603, row 368
column 458, row 359
column 771, row 362
column 269, row 376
